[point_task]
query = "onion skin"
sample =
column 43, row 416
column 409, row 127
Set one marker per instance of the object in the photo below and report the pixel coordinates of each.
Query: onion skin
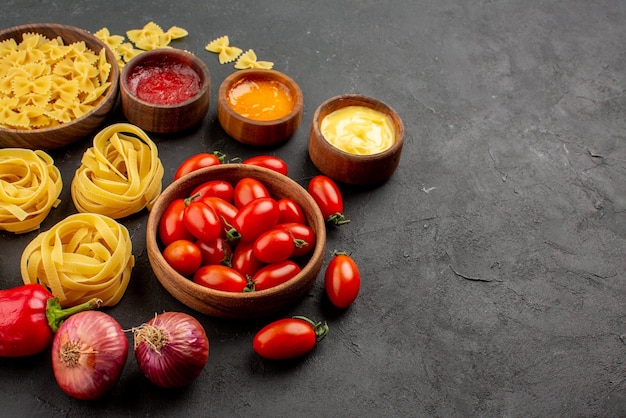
column 89, row 352
column 171, row 349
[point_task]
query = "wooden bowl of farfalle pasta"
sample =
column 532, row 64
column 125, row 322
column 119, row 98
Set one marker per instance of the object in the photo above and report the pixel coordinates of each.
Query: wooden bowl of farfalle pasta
column 58, row 84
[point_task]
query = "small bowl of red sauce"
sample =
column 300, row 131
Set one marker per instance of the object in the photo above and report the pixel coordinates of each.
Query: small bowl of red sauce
column 259, row 107
column 165, row 90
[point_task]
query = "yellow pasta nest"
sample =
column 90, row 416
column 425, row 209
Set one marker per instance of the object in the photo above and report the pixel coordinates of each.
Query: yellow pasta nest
column 82, row 257
column 120, row 175
column 30, row 185
column 44, row 83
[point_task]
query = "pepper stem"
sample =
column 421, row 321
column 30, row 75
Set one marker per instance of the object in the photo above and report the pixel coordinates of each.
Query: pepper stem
column 320, row 328
column 56, row 314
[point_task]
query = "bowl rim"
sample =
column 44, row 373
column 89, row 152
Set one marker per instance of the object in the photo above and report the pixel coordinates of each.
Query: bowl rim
column 167, row 52
column 355, row 100
column 279, row 76
column 192, row 179
column 114, row 74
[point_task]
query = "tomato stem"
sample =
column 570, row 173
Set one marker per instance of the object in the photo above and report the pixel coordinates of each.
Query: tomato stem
column 337, row 219
column 190, row 199
column 320, row 328
column 57, row 314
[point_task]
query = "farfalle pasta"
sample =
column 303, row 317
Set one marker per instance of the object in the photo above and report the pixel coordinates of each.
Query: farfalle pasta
column 226, row 53
column 30, row 185
column 248, row 60
column 120, row 175
column 84, row 256
column 45, row 83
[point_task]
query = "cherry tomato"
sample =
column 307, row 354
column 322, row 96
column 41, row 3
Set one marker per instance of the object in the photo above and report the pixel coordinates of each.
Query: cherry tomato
column 269, row 161
column 201, row 221
column 273, row 246
column 184, row 256
column 248, row 189
column 273, row 275
column 219, row 277
column 290, row 211
column 244, row 260
column 171, row 225
column 328, row 197
column 196, row 162
column 288, row 338
column 225, row 210
column 303, row 235
column 342, row 280
column 255, row 218
column 216, row 251
column 215, row 188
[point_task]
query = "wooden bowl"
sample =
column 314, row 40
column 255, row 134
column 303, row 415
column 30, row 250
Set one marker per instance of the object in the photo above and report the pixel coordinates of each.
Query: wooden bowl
column 231, row 304
column 162, row 117
column 260, row 133
column 79, row 128
column 351, row 168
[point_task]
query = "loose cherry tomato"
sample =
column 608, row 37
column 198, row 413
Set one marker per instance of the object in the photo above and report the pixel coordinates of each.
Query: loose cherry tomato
column 196, row 162
column 255, row 218
column 219, row 277
column 273, row 275
column 273, row 246
column 269, row 161
column 184, row 256
column 288, row 338
column 248, row 189
column 290, row 211
column 171, row 225
column 328, row 197
column 244, row 260
column 201, row 221
column 303, row 235
column 342, row 280
column 216, row 251
column 215, row 188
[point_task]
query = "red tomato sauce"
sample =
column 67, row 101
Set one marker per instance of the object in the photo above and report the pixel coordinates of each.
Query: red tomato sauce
column 164, row 83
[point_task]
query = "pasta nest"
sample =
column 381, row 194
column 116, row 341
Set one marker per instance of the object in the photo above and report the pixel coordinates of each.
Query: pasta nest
column 120, row 175
column 85, row 256
column 30, row 185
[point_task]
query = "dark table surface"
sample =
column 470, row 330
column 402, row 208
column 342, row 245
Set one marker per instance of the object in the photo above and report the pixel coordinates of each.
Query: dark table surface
column 492, row 260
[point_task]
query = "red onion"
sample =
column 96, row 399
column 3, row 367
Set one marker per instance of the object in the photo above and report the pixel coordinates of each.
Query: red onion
column 89, row 351
column 171, row 349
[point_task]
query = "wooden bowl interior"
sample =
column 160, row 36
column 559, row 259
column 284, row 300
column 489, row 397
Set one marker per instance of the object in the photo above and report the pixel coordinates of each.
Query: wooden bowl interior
column 350, row 168
column 67, row 133
column 166, row 118
column 253, row 132
column 229, row 304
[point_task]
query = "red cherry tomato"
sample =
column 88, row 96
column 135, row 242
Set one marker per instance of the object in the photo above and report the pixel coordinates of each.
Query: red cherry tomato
column 290, row 211
column 273, row 275
column 303, row 235
column 219, row 277
column 216, row 251
column 244, row 260
column 184, row 256
column 342, row 280
column 328, row 197
column 255, row 218
column 201, row 221
column 288, row 338
column 214, row 188
column 269, row 161
column 248, row 189
column 171, row 225
column 225, row 211
column 196, row 162
column 273, row 246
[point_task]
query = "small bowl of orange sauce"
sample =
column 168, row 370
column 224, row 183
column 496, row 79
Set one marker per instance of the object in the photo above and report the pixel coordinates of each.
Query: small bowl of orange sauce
column 259, row 107
column 356, row 139
column 165, row 90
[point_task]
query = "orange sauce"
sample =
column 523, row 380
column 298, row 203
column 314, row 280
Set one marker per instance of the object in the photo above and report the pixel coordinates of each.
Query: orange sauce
column 260, row 99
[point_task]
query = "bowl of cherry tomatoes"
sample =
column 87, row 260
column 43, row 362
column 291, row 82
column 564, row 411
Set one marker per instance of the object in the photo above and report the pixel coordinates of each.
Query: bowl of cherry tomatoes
column 236, row 240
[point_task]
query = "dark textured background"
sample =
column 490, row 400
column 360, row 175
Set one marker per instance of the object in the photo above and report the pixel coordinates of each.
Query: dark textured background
column 492, row 260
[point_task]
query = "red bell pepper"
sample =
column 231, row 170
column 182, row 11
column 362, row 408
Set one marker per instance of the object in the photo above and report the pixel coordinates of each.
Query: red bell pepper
column 29, row 317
